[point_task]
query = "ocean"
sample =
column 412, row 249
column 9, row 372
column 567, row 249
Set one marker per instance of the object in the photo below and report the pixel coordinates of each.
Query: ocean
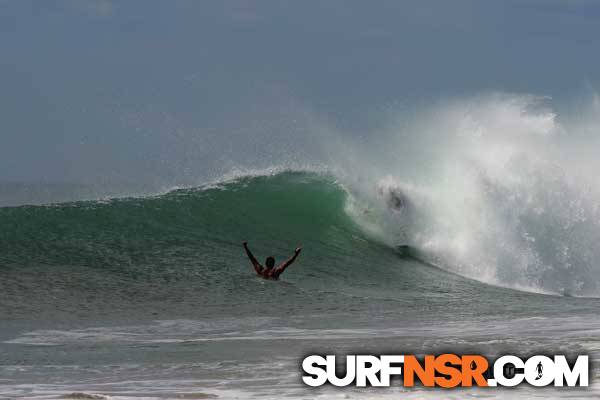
column 153, row 297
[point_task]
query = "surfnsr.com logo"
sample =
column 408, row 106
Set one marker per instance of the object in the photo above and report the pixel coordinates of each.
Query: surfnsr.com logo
column 445, row 370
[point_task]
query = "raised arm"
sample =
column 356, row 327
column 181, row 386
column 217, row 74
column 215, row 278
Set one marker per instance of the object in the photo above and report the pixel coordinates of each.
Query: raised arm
column 288, row 262
column 257, row 267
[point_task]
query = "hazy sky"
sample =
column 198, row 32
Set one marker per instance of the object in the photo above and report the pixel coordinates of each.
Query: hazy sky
column 167, row 91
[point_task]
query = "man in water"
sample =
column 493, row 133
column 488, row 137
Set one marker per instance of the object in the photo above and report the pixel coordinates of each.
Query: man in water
column 268, row 272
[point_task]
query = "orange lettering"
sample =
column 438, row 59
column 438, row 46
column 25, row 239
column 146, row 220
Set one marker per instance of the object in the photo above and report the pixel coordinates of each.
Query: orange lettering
column 454, row 374
column 473, row 368
column 412, row 366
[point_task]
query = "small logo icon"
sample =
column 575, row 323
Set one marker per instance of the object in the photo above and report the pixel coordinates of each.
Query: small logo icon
column 539, row 370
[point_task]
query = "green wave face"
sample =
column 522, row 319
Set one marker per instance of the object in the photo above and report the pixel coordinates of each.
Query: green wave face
column 277, row 211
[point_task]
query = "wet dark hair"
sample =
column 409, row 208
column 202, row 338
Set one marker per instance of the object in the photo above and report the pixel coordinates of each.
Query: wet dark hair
column 270, row 262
